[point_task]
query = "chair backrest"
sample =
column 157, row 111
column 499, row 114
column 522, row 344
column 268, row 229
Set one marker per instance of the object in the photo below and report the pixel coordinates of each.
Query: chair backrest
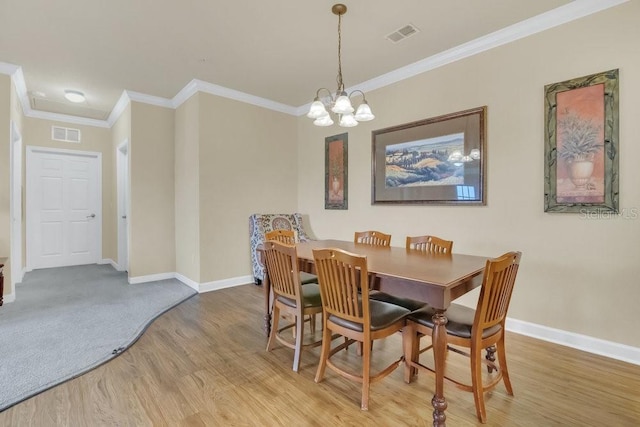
column 373, row 238
column 495, row 294
column 429, row 244
column 281, row 261
column 344, row 289
column 284, row 236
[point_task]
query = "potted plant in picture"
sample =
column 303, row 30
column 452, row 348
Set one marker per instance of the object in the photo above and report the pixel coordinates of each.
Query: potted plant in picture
column 580, row 141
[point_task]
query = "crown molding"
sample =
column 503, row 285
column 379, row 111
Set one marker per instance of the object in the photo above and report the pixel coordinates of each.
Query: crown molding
column 196, row 85
column 119, row 108
column 8, row 69
column 149, row 99
column 570, row 12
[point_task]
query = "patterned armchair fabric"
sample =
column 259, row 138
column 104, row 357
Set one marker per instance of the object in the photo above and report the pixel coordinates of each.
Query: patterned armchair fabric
column 263, row 223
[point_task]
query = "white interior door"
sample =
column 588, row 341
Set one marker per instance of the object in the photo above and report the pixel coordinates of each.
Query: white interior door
column 64, row 212
column 122, row 166
column 16, row 204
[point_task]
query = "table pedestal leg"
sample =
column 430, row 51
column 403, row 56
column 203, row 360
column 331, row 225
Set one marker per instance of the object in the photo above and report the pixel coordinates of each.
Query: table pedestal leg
column 267, row 304
column 439, row 338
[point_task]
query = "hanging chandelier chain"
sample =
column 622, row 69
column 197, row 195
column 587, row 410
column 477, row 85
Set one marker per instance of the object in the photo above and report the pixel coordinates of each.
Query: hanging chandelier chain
column 339, row 78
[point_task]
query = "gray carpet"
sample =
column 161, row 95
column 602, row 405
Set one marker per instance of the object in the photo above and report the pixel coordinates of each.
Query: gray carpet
column 67, row 321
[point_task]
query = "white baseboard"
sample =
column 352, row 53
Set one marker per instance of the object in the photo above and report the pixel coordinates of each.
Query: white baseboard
column 151, row 278
column 9, row 298
column 226, row 283
column 110, row 261
column 190, row 283
column 586, row 343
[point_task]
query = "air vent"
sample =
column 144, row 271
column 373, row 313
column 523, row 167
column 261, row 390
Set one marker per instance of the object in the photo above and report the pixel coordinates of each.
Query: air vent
column 402, row 33
column 65, row 134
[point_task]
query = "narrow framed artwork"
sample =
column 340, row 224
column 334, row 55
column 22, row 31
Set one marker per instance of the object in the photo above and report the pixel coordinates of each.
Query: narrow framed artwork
column 581, row 144
column 336, row 172
column 440, row 160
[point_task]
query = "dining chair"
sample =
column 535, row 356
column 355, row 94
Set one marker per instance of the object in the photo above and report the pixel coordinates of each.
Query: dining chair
column 426, row 244
column 373, row 238
column 289, row 237
column 348, row 311
column 290, row 297
column 471, row 329
column 431, row 244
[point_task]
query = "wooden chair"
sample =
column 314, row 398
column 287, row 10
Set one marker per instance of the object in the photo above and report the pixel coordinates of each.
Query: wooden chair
column 373, row 238
column 347, row 311
column 289, row 237
column 476, row 329
column 290, row 297
column 430, row 244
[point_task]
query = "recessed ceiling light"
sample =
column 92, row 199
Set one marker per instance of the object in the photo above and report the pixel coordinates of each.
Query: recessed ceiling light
column 74, row 96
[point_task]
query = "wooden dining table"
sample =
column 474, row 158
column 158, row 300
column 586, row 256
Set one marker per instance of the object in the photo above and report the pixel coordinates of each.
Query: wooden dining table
column 436, row 279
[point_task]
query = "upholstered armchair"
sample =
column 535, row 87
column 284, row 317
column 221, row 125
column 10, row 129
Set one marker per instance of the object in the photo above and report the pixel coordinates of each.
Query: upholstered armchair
column 263, row 223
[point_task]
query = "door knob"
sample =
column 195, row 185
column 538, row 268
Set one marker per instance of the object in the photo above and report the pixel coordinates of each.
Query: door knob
column 124, row 217
column 91, row 216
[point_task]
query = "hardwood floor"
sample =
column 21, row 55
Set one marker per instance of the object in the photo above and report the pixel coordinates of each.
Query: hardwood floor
column 204, row 364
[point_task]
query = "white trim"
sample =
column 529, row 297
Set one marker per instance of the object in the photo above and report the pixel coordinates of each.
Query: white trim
column 16, row 213
column 66, row 118
column 111, row 262
column 8, row 69
column 149, row 99
column 151, row 278
column 553, row 18
column 185, row 93
column 586, row 343
column 196, row 85
column 8, row 298
column 119, row 108
column 226, row 283
column 550, row 19
column 190, row 283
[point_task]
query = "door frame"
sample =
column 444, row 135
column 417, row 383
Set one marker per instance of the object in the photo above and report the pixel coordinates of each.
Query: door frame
column 31, row 151
column 122, row 183
column 15, row 205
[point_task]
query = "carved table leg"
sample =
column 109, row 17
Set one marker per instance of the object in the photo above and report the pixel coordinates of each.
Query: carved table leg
column 439, row 338
column 491, row 357
column 267, row 303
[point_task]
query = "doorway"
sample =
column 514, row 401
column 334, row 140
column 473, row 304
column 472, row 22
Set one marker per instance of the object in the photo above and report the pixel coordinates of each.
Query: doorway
column 16, row 205
column 64, row 207
column 122, row 170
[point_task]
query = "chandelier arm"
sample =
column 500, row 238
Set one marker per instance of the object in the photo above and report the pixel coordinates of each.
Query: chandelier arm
column 361, row 92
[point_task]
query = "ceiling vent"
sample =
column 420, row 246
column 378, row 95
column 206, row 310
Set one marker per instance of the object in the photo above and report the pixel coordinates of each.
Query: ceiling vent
column 402, row 33
column 65, row 134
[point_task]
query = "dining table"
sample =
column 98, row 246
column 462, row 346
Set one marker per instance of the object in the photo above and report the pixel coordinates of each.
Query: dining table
column 436, row 279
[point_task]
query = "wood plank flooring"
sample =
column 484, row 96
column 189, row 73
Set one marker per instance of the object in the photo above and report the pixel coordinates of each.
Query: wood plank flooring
column 204, row 364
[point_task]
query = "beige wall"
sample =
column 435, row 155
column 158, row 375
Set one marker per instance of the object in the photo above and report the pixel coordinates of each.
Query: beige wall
column 120, row 132
column 37, row 132
column 187, row 188
column 247, row 165
column 5, row 115
column 577, row 275
column 152, row 222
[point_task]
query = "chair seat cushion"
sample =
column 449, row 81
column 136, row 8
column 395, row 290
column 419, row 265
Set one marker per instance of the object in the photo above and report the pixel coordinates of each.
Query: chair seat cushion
column 408, row 303
column 382, row 315
column 310, row 296
column 459, row 320
column 308, row 278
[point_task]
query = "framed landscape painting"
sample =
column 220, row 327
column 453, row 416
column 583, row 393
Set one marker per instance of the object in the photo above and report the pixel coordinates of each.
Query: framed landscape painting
column 581, row 144
column 440, row 160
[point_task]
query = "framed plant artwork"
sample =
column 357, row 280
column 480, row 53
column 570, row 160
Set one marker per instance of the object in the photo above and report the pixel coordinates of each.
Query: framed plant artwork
column 335, row 172
column 581, row 144
column 440, row 160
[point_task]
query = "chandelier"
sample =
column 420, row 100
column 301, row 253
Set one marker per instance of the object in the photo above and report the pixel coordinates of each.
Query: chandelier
column 340, row 103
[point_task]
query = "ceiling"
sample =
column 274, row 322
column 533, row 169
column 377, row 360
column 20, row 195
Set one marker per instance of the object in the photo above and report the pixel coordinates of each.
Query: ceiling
column 280, row 50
